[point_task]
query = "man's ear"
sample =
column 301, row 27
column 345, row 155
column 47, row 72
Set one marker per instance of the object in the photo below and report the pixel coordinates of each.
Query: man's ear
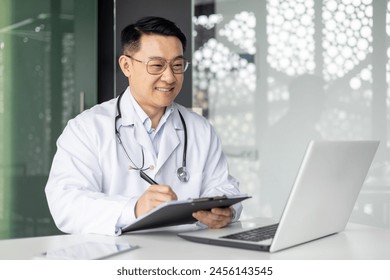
column 125, row 65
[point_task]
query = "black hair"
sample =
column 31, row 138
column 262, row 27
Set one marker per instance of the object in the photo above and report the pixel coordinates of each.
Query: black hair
column 131, row 34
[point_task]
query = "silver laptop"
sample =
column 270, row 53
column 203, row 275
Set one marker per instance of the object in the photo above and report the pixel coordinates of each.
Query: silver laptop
column 320, row 203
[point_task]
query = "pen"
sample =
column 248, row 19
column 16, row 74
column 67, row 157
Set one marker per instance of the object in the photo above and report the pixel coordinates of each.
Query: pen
column 147, row 178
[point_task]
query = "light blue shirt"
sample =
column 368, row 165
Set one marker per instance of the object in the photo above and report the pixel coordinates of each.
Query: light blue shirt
column 155, row 134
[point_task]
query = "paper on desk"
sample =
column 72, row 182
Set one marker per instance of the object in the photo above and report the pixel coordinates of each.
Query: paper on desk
column 87, row 251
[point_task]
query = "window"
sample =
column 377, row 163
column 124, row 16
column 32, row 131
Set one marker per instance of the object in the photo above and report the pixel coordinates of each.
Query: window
column 45, row 47
column 272, row 75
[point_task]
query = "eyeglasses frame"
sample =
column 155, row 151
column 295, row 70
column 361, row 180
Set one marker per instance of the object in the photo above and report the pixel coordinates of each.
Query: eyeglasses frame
column 166, row 62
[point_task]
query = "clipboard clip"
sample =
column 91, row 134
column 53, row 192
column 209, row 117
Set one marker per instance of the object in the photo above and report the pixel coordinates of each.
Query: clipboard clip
column 214, row 198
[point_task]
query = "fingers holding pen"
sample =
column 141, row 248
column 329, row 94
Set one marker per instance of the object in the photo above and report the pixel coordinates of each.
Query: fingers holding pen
column 162, row 193
column 152, row 197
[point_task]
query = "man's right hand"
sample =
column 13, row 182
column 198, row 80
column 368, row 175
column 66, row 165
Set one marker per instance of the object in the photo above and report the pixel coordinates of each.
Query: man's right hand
column 152, row 197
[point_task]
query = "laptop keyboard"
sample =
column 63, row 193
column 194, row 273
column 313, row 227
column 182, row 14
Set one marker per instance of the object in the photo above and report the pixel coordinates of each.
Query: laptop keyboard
column 255, row 235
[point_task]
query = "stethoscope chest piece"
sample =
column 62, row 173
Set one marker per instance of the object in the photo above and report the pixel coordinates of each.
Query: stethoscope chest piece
column 183, row 175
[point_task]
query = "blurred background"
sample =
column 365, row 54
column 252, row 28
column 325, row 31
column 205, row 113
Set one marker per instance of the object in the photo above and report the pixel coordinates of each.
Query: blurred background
column 270, row 75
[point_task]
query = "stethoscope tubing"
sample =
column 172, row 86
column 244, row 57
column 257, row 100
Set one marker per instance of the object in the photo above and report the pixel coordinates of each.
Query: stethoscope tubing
column 182, row 172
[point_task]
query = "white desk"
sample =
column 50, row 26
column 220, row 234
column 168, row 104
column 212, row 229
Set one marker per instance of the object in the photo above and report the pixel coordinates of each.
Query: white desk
column 356, row 242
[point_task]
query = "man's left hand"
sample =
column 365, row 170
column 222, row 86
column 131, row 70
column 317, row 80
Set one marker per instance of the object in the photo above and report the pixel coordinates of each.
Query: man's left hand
column 216, row 218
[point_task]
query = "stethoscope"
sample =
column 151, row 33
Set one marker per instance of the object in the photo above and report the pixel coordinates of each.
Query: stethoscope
column 182, row 172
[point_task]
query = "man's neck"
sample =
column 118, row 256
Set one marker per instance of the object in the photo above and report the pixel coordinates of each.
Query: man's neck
column 155, row 116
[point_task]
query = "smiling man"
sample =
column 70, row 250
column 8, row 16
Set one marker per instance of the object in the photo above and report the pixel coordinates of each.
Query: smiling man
column 118, row 160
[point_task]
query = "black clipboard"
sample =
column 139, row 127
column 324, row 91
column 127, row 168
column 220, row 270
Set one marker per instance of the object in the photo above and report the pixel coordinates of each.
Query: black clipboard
column 179, row 212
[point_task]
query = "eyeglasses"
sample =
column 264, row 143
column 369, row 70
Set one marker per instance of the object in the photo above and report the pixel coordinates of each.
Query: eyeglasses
column 157, row 66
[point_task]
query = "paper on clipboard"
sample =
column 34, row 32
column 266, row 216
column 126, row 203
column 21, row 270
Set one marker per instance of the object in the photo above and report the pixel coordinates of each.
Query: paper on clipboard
column 178, row 212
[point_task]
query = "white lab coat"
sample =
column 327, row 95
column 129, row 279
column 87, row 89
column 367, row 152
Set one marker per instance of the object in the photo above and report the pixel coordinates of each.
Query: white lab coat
column 90, row 186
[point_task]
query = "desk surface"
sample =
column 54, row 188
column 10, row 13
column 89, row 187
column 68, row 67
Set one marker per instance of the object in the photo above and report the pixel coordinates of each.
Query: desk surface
column 355, row 242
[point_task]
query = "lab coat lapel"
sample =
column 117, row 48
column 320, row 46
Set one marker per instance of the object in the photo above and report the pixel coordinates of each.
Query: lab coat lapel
column 170, row 140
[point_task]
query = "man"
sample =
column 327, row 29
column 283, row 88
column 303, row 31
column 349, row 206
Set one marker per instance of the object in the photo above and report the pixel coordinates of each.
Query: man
column 95, row 185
